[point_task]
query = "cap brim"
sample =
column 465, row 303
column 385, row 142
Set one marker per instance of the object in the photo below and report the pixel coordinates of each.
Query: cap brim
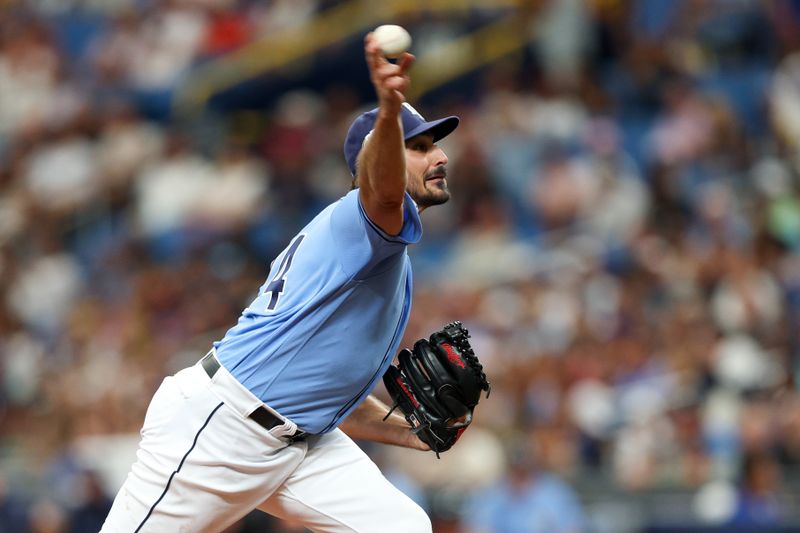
column 440, row 128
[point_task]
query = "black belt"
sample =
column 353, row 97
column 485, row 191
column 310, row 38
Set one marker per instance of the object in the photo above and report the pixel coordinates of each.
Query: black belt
column 261, row 415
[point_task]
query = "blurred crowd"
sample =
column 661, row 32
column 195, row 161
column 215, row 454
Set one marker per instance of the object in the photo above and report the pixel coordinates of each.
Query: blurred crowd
column 623, row 243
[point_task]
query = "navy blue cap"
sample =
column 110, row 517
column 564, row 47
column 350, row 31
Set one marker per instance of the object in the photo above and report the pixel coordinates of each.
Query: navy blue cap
column 413, row 124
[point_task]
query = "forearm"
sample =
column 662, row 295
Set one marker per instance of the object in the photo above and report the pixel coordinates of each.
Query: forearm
column 381, row 165
column 366, row 423
column 383, row 159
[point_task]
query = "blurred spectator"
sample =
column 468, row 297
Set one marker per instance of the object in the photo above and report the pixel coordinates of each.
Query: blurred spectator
column 61, row 174
column 168, row 193
column 784, row 92
column 42, row 295
column 46, row 516
column 13, row 512
column 227, row 30
column 272, row 17
column 168, row 41
column 236, row 194
column 126, row 145
column 29, row 67
column 758, row 503
column 92, row 507
column 527, row 499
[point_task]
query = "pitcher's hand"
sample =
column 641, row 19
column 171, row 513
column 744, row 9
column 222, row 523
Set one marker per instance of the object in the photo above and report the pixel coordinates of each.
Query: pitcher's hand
column 391, row 80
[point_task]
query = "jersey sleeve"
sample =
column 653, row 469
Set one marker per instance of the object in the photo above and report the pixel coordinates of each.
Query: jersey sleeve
column 361, row 244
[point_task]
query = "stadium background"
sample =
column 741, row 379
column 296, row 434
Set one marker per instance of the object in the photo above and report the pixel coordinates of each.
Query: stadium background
column 622, row 241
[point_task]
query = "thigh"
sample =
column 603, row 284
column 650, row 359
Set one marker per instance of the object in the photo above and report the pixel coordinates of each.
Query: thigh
column 338, row 488
column 200, row 465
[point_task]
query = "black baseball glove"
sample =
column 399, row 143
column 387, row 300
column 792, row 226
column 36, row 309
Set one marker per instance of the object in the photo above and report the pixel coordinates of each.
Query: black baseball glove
column 437, row 386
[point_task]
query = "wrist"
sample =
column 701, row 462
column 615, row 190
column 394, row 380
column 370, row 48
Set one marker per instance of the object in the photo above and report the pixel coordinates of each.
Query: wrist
column 388, row 111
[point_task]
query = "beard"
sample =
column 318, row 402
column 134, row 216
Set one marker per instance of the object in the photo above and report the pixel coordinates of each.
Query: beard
column 432, row 191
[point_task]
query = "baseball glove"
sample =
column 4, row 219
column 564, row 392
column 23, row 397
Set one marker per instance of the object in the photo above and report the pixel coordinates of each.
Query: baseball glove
column 437, row 385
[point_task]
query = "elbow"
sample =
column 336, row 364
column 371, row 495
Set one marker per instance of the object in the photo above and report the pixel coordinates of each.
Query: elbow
column 383, row 196
column 392, row 202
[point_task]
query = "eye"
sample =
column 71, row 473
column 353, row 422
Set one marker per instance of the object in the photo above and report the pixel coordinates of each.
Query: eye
column 422, row 143
column 419, row 146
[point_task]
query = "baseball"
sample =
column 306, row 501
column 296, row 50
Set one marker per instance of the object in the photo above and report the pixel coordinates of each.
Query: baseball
column 393, row 39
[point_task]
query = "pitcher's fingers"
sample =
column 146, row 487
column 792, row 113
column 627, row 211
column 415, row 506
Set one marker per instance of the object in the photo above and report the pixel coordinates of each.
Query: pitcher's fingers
column 398, row 83
column 405, row 62
column 373, row 52
column 387, row 70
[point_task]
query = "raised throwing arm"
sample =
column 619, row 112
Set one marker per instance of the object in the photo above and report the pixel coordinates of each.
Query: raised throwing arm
column 381, row 163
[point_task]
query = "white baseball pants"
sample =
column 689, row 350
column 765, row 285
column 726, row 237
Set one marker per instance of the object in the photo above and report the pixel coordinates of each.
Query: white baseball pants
column 203, row 464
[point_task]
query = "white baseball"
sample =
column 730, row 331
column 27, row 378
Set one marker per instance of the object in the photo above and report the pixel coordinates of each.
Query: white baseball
column 393, row 39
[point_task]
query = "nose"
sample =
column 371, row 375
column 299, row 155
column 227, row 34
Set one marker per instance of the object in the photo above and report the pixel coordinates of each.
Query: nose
column 438, row 157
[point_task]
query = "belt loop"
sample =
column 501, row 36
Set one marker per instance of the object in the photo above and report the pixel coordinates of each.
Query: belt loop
column 210, row 364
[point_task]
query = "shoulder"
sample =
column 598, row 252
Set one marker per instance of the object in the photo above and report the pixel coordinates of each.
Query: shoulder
column 350, row 212
column 411, row 229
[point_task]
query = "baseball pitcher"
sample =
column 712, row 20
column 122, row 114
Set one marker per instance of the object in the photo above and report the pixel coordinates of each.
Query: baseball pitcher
column 265, row 419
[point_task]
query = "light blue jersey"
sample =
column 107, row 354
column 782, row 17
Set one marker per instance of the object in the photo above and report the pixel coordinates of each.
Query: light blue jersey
column 329, row 319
